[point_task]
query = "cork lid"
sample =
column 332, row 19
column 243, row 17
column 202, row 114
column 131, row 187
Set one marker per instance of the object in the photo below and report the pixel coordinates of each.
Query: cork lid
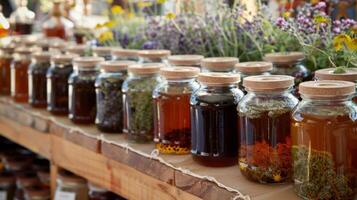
column 77, row 49
column 145, row 69
column 102, row 50
column 8, row 48
column 154, row 53
column 214, row 78
column 63, row 58
column 125, row 52
column 115, row 66
column 70, row 178
column 219, row 63
column 284, row 57
column 326, row 88
column 185, row 60
column 87, row 62
column 328, row 74
column 42, row 56
column 47, row 42
column 37, row 192
column 23, row 50
column 254, row 67
column 179, row 72
column 268, row 82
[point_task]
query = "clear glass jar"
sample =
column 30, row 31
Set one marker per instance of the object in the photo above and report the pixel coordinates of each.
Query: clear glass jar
column 37, row 79
column 153, row 56
column 172, row 109
column 77, row 49
column 7, row 185
column 6, row 57
column 57, row 83
column 37, row 193
column 137, row 100
column 264, row 128
column 22, row 19
column 104, row 52
column 214, row 118
column 82, row 97
column 98, row 193
column 219, row 64
column 125, row 54
column 324, row 143
column 185, row 60
column 108, row 85
column 70, row 185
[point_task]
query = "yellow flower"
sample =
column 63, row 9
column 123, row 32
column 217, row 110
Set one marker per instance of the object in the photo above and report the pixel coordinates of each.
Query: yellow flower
column 160, row 1
column 277, row 178
column 321, row 19
column 131, row 15
column 109, row 24
column 117, row 10
column 352, row 45
column 98, row 26
column 105, row 36
column 340, row 40
column 170, row 15
column 286, row 14
column 109, row 1
column 143, row 4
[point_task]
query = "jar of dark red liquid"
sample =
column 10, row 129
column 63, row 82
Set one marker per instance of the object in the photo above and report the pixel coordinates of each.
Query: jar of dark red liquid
column 138, row 102
column 105, row 52
column 98, row 193
column 125, row 54
column 185, row 60
column 57, row 83
column 6, row 57
column 7, row 185
column 264, row 128
column 70, row 185
column 77, row 49
column 219, row 64
column 22, row 19
column 172, row 109
column 214, row 118
column 82, row 97
column 153, row 56
column 37, row 79
column 37, row 193
column 109, row 117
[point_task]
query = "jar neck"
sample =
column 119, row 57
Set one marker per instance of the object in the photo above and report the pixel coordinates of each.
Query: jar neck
column 61, row 64
column 177, row 81
column 218, row 87
column 333, row 100
column 288, row 64
column 143, row 75
column 270, row 92
column 85, row 71
column 150, row 60
column 40, row 61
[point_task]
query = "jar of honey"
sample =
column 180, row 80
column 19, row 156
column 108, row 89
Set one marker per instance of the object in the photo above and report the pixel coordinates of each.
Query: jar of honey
column 137, row 100
column 37, row 193
column 264, row 128
column 72, row 186
column 104, row 52
column 324, row 143
column 172, row 109
column 6, row 57
column 214, row 118
column 185, row 60
column 125, row 54
column 153, row 56
column 37, row 79
column 7, row 185
column 77, row 49
column 109, row 117
column 82, row 97
column 57, row 83
column 219, row 64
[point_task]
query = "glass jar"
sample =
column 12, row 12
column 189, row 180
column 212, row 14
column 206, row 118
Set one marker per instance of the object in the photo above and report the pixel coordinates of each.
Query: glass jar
column 24, row 180
column 153, row 56
column 185, row 60
column 98, row 193
column 214, row 118
column 7, row 185
column 172, row 109
column 219, row 64
column 108, row 85
column 137, row 100
column 22, row 19
column 125, row 54
column 77, row 49
column 37, row 79
column 71, row 186
column 289, row 63
column 57, row 83
column 82, row 97
column 324, row 143
column 104, row 52
column 6, row 57
column 264, row 128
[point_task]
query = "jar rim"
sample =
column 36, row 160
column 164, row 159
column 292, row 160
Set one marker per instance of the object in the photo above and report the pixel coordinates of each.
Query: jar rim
column 254, row 67
column 268, row 82
column 328, row 74
column 179, row 72
column 218, row 79
column 326, row 89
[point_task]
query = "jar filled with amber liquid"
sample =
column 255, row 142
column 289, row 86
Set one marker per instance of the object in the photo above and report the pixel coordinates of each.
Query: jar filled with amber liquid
column 57, row 83
column 6, row 58
column 219, row 64
column 37, row 79
column 138, row 102
column 82, row 97
column 153, row 56
column 125, row 54
column 70, row 185
column 185, row 60
column 108, row 85
column 105, row 52
column 324, row 142
column 22, row 19
column 264, row 128
column 214, row 118
column 172, row 109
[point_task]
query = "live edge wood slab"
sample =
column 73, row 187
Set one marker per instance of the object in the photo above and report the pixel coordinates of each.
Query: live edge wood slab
column 134, row 171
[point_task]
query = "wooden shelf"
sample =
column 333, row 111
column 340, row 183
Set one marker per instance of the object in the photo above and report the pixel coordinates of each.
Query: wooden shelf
column 129, row 170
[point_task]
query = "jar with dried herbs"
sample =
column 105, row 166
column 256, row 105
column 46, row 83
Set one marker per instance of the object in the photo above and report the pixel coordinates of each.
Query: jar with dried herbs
column 153, row 56
column 71, row 185
column 108, row 85
column 137, row 99
column 57, row 83
column 125, row 54
column 82, row 97
column 185, row 60
column 172, row 109
column 324, row 146
column 264, row 128
column 214, row 130
column 104, row 52
column 6, row 57
column 219, row 64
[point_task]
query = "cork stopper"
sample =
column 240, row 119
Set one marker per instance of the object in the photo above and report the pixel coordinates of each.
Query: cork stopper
column 102, row 51
column 219, row 63
column 328, row 74
column 116, row 66
column 77, row 49
column 145, row 69
column 326, row 88
column 87, row 62
column 268, row 82
column 180, row 72
column 8, row 48
column 284, row 57
column 124, row 52
column 185, row 60
column 218, row 79
column 42, row 56
column 64, row 58
column 69, row 178
column 153, row 53
column 254, row 67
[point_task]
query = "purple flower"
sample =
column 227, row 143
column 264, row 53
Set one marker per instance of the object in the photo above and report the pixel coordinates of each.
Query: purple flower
column 320, row 6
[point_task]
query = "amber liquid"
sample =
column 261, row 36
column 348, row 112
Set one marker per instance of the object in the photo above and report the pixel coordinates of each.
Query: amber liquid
column 38, row 86
column 21, row 28
column 79, row 38
column 325, row 156
column 172, row 126
column 19, row 81
column 214, row 131
column 3, row 32
column 58, row 31
column 5, row 77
